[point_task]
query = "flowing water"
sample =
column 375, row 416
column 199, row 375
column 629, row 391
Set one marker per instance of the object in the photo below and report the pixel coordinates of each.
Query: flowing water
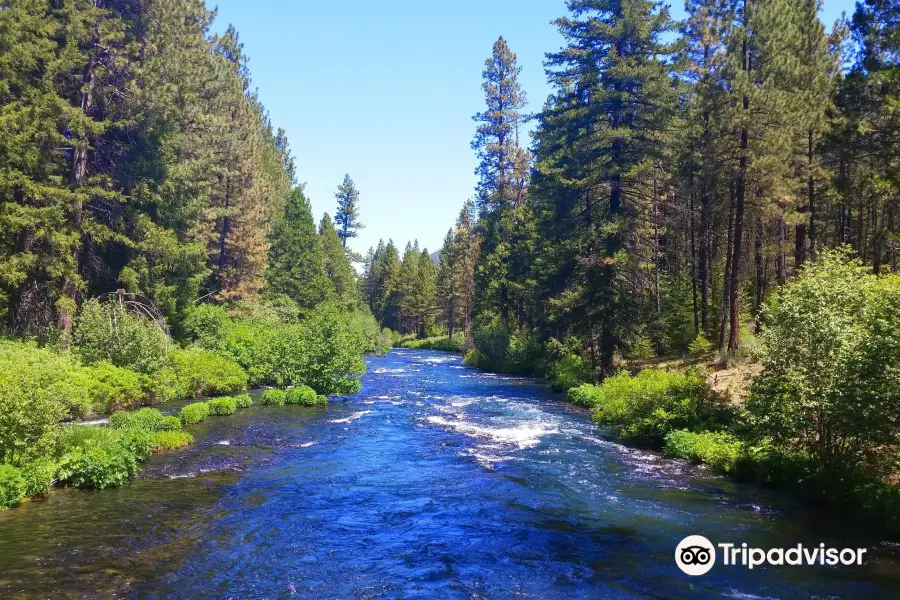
column 436, row 481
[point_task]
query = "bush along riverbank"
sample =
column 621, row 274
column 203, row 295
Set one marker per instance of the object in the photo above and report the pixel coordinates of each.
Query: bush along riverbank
column 821, row 416
column 120, row 364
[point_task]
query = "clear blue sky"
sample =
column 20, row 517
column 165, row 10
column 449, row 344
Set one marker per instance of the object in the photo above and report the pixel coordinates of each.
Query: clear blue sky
column 385, row 91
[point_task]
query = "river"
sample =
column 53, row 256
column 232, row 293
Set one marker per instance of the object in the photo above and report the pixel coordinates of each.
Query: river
column 435, row 481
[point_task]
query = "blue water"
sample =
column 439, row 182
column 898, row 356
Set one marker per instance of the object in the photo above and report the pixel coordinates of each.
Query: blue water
column 436, row 481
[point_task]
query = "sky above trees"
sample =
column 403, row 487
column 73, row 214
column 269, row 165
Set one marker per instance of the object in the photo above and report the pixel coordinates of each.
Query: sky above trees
column 386, row 93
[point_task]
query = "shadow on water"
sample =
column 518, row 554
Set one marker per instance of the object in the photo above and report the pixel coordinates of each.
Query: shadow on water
column 436, row 481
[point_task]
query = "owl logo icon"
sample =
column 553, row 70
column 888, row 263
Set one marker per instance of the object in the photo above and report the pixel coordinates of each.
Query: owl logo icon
column 695, row 555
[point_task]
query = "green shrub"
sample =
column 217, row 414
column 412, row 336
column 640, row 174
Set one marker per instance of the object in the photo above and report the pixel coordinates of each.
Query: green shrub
column 274, row 397
column 718, row 449
column 492, row 340
column 139, row 442
column 700, row 346
column 641, row 348
column 245, row 342
column 172, row 440
column 301, row 394
column 524, row 355
column 164, row 386
column 646, row 407
column 74, row 436
column 243, row 400
column 12, row 486
column 322, row 399
column 109, row 332
column 147, row 419
column 206, row 324
column 194, row 413
column 205, row 373
column 473, row 358
column 170, row 423
column 830, row 386
column 97, row 466
column 39, row 475
column 566, row 366
column 36, row 392
column 113, row 388
column 323, row 352
column 585, row 394
column 222, row 407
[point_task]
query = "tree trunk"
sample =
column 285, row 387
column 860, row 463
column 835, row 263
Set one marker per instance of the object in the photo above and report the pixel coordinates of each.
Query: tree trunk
column 607, row 338
column 760, row 271
column 703, row 260
column 781, row 259
column 450, row 309
column 726, row 293
column 694, row 268
column 734, row 301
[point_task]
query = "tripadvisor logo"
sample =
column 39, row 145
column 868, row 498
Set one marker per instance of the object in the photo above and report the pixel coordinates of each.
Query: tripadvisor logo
column 696, row 555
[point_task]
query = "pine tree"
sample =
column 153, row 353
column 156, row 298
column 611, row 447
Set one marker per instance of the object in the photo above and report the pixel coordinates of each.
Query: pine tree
column 447, row 285
column 347, row 216
column 427, row 284
column 297, row 266
column 337, row 265
column 598, row 141
column 502, row 173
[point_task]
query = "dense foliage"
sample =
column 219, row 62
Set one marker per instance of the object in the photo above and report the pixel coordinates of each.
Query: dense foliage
column 830, row 388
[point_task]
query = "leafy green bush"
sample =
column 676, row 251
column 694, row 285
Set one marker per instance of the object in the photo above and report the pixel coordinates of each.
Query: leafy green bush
column 205, row 373
column 36, row 392
column 566, row 366
column 39, row 475
column 164, row 386
column 109, row 332
column 524, row 355
column 148, row 419
column 585, row 394
column 274, row 397
column 170, row 423
column 492, row 340
column 641, row 348
column 73, row 436
column 473, row 358
column 323, row 352
column 243, row 400
column 244, row 341
column 194, row 413
column 12, row 486
column 301, row 394
column 222, row 406
column 830, row 386
column 646, row 407
column 206, row 324
column 97, row 466
column 139, row 442
column 172, row 440
column 113, row 388
column 718, row 449
column 700, row 346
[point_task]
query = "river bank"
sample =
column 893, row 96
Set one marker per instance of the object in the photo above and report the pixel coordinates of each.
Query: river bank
column 436, row 479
